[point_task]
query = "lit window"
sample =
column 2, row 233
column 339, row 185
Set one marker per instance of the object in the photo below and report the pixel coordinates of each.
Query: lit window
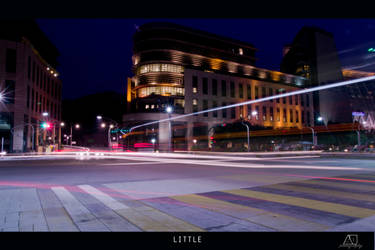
column 240, row 51
column 147, row 106
column 195, row 101
column 262, row 74
column 152, row 106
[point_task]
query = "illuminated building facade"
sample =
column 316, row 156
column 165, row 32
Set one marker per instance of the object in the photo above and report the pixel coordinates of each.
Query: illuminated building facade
column 192, row 70
column 29, row 86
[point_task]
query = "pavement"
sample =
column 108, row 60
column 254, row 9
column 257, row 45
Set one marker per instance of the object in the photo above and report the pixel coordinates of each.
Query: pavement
column 180, row 192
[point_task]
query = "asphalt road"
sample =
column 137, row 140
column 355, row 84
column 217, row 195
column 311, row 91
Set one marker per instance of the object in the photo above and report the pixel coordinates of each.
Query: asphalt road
column 184, row 192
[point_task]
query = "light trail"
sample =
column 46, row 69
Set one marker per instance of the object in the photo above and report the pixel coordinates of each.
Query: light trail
column 297, row 92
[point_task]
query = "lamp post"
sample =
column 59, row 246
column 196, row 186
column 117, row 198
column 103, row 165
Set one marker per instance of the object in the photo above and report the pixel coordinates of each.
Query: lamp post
column 169, row 110
column 153, row 140
column 111, row 126
column 313, row 135
column 248, row 135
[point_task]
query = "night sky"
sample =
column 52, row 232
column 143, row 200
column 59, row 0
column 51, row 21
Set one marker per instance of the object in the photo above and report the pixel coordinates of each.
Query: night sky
column 95, row 54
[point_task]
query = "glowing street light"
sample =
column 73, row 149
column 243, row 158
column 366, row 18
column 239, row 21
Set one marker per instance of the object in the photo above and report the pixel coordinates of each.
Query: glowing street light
column 62, row 124
column 103, row 125
column 195, row 141
column 45, row 114
column 77, row 126
column 254, row 113
column 99, row 117
column 320, row 119
column 169, row 109
column 111, row 126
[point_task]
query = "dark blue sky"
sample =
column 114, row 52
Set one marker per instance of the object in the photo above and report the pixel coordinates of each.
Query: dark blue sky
column 96, row 53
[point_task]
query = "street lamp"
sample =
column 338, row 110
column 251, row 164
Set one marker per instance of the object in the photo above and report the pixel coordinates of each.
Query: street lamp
column 320, row 119
column 248, row 135
column 153, row 140
column 111, row 126
column 169, row 110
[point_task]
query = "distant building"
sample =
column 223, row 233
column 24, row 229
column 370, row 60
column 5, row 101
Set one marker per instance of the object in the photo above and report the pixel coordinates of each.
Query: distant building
column 29, row 87
column 192, row 70
column 313, row 55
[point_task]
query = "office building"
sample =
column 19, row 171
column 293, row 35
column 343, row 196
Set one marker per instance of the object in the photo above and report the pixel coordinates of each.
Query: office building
column 30, row 88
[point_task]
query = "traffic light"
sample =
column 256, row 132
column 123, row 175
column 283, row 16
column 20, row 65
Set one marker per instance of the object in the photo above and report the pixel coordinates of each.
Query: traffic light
column 46, row 125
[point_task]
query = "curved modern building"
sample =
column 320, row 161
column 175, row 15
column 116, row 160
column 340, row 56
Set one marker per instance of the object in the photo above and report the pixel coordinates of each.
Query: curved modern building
column 193, row 70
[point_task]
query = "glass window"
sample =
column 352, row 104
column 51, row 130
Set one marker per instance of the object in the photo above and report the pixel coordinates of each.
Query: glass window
column 224, row 111
column 302, row 100
column 214, row 105
column 249, row 91
column 195, row 84
column 271, row 114
column 264, row 113
column 214, row 87
column 257, row 112
column 223, row 88
column 264, row 93
column 303, row 116
column 296, row 97
column 284, row 115
column 256, row 92
column 308, row 118
column 205, row 106
column 290, row 100
column 307, row 100
column 278, row 114
column 240, row 89
column 270, row 93
column 290, row 115
column 233, row 112
column 297, row 116
column 232, row 90
column 205, row 85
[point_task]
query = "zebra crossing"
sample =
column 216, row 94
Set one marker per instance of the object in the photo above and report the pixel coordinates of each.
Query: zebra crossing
column 298, row 205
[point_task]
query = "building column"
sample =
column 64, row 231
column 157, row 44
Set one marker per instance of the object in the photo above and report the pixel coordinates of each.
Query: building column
column 163, row 137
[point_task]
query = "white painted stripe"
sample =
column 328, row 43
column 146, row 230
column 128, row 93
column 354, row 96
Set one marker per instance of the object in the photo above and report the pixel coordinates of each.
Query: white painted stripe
column 134, row 163
column 71, row 204
column 103, row 197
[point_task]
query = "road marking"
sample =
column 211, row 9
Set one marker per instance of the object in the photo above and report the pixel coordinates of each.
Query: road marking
column 134, row 163
column 150, row 219
column 350, row 185
column 79, row 213
column 103, row 197
column 254, row 215
column 329, row 192
column 307, row 203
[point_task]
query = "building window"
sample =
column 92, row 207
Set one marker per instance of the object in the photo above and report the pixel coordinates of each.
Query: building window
column 264, row 93
column 214, row 87
column 223, row 88
column 240, row 87
column 11, row 61
column 256, row 92
column 270, row 93
column 257, row 112
column 284, row 115
column 205, row 85
column 233, row 112
column 249, row 91
column 278, row 114
column 271, row 114
column 224, row 111
column 10, row 88
column 195, row 105
column 160, row 67
column 296, row 97
column 303, row 116
column 195, row 84
column 302, row 100
column 249, row 111
column 264, row 113
column 160, row 90
column 232, row 90
column 290, row 115
column 290, row 100
column 214, row 105
column 297, row 116
column 205, row 107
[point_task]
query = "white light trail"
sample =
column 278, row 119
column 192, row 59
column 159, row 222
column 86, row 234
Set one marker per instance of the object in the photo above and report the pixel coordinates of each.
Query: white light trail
column 297, row 92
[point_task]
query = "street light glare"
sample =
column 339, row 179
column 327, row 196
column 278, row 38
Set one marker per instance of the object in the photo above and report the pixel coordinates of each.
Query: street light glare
column 77, row 126
column 99, row 117
column 45, row 114
column 169, row 109
column 62, row 124
column 254, row 113
column 320, row 118
column 103, row 125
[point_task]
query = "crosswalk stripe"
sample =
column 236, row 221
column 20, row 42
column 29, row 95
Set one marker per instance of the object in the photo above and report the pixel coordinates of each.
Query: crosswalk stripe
column 79, row 213
column 307, row 203
column 255, row 215
column 103, row 197
column 325, row 192
column 150, row 219
column 356, row 186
